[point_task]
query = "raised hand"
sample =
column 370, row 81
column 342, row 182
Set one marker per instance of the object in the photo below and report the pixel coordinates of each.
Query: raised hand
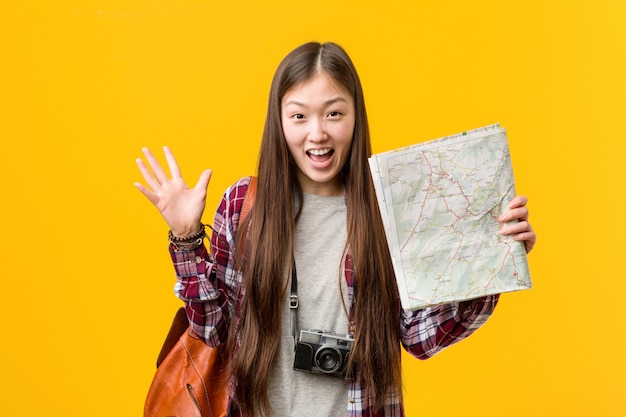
column 521, row 230
column 180, row 206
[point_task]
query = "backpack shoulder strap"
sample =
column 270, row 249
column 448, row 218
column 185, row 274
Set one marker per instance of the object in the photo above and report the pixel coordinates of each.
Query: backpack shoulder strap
column 248, row 199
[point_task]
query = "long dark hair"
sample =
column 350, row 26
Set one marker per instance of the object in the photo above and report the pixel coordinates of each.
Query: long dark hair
column 263, row 255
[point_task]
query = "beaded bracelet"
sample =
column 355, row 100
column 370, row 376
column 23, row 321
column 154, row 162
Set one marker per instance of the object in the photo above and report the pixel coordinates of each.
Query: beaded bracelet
column 187, row 246
column 187, row 243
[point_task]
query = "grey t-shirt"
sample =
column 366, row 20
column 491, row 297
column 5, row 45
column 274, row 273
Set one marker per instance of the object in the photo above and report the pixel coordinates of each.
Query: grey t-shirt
column 319, row 246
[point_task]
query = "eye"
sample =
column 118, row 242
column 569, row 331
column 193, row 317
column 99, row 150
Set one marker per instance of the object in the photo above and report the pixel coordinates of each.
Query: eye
column 334, row 114
column 298, row 116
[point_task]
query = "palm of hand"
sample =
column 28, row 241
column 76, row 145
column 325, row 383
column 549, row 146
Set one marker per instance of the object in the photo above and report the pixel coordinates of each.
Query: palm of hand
column 180, row 206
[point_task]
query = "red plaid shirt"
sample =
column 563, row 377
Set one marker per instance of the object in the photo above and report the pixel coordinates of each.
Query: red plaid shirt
column 207, row 284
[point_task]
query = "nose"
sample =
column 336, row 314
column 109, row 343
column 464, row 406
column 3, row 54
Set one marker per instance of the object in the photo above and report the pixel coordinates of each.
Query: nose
column 317, row 130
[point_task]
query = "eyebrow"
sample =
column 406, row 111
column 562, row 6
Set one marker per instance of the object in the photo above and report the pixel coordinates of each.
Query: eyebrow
column 326, row 103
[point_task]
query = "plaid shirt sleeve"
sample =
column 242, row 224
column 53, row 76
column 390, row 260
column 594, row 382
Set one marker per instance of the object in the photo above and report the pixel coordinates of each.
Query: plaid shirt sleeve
column 208, row 282
column 427, row 331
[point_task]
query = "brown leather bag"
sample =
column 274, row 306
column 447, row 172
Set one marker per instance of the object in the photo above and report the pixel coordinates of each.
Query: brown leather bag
column 190, row 380
column 191, row 377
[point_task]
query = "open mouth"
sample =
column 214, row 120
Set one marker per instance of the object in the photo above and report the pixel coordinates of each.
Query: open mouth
column 320, row 155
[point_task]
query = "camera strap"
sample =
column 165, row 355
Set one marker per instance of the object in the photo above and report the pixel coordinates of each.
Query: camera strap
column 293, row 303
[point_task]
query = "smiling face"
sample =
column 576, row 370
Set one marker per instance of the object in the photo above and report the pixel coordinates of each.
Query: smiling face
column 318, row 122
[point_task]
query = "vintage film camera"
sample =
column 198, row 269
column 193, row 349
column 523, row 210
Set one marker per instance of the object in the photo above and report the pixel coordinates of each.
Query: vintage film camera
column 321, row 352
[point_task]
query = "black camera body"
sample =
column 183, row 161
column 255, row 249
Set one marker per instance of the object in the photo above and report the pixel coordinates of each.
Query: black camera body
column 321, row 352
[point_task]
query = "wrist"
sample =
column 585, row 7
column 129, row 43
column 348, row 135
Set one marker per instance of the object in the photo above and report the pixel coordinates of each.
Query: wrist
column 190, row 242
column 187, row 233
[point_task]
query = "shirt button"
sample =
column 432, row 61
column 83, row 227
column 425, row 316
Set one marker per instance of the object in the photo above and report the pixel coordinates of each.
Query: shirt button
column 351, row 400
column 198, row 259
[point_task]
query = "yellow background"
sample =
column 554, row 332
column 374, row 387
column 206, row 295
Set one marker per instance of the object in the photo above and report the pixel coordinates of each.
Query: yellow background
column 86, row 294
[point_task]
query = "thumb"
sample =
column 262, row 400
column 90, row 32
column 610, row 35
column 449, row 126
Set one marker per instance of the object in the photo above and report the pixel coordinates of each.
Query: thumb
column 203, row 181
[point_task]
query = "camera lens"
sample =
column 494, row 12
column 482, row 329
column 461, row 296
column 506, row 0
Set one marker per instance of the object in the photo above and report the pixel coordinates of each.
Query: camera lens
column 328, row 359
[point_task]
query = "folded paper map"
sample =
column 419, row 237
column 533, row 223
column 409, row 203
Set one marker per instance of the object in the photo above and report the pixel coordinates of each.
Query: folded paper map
column 440, row 201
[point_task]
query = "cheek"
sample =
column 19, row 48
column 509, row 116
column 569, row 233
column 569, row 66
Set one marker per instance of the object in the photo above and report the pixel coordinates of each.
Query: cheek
column 293, row 144
column 291, row 137
column 347, row 133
